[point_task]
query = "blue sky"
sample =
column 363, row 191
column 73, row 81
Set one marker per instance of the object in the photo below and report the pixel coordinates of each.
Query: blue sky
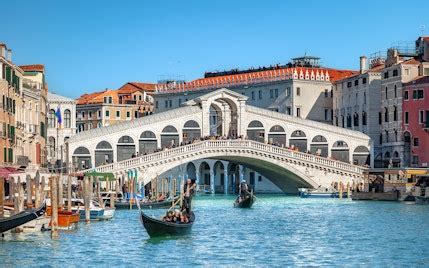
column 92, row 45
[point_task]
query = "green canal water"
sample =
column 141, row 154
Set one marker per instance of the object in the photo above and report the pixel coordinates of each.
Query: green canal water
column 279, row 231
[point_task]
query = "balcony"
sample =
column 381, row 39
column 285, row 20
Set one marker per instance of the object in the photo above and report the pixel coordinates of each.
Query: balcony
column 22, row 160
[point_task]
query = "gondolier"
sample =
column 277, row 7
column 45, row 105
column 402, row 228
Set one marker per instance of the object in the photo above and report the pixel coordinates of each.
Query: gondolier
column 188, row 192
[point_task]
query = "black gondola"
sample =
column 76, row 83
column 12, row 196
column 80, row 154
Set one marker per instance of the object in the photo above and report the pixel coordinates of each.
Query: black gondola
column 246, row 202
column 156, row 227
column 21, row 218
column 126, row 205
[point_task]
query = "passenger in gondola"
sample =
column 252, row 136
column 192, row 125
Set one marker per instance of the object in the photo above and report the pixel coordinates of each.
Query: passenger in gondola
column 169, row 216
column 160, row 198
column 184, row 218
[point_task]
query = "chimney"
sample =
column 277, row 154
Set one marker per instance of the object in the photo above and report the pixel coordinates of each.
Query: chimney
column 362, row 67
column 9, row 55
column 3, row 50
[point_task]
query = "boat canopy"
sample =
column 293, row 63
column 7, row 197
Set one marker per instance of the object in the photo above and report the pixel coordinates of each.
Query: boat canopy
column 101, row 176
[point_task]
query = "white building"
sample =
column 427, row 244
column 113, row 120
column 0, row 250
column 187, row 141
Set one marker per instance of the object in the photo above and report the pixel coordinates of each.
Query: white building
column 58, row 135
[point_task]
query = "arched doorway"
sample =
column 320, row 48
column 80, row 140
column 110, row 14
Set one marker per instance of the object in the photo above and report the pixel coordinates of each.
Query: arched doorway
column 215, row 117
column 319, row 146
column 277, row 136
column 298, row 141
column 407, row 149
column 340, row 151
column 191, row 171
column 219, row 176
column 256, row 131
column 103, row 153
column 81, row 158
column 147, row 142
column 205, row 175
column 191, row 131
column 361, row 156
column 169, row 137
column 125, row 148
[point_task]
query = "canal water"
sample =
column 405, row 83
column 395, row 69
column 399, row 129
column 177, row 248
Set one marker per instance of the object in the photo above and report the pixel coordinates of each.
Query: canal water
column 279, row 230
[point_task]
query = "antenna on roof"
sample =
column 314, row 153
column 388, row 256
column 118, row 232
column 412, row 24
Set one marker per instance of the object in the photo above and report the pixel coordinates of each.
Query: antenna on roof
column 423, row 29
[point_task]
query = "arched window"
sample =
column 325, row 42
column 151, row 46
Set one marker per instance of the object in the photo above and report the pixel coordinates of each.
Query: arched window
column 386, row 114
column 319, row 138
column 169, row 129
column 255, row 124
column 51, row 118
column 126, row 139
column 395, row 113
column 191, row 124
column 67, row 118
column 298, row 133
column 277, row 128
column 364, row 118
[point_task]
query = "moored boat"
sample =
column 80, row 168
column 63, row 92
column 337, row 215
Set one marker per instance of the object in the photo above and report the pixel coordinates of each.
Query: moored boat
column 21, row 218
column 422, row 200
column 66, row 219
column 320, row 193
column 36, row 225
column 97, row 212
column 155, row 227
column 143, row 204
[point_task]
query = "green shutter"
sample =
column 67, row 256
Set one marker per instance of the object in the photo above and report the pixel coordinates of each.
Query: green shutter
column 8, row 74
column 10, row 155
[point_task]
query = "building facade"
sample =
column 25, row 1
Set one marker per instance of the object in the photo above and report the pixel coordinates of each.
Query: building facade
column 356, row 102
column 415, row 120
column 59, row 134
column 131, row 101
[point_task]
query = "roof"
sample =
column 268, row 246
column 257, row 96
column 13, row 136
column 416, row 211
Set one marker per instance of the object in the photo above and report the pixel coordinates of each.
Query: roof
column 418, row 81
column 98, row 97
column 230, row 80
column 33, row 68
column 375, row 69
column 411, row 61
column 52, row 97
column 132, row 87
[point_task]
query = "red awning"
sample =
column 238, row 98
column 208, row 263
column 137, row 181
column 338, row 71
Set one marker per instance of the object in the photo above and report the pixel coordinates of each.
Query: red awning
column 6, row 171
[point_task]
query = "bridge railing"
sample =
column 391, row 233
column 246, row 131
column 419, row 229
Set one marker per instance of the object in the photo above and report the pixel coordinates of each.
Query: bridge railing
column 240, row 144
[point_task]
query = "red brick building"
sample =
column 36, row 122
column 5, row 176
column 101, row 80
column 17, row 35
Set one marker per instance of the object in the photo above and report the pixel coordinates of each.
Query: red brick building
column 415, row 104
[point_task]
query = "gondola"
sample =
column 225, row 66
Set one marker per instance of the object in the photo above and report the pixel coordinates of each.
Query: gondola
column 21, row 218
column 147, row 205
column 156, row 227
column 246, row 202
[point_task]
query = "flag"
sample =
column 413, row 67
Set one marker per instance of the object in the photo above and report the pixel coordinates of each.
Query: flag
column 58, row 115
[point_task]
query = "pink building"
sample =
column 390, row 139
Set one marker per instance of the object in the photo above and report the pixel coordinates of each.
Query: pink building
column 415, row 104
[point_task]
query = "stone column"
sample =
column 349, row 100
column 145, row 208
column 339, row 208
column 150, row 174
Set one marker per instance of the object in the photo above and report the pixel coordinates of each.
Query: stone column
column 241, row 126
column 226, row 115
column 256, row 181
column 205, row 130
column 225, row 181
column 242, row 170
column 233, row 183
column 212, row 181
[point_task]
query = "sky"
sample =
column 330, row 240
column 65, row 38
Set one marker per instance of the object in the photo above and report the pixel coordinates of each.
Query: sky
column 89, row 46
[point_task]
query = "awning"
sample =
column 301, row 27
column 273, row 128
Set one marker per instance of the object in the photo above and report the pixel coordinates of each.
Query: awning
column 6, row 171
column 101, row 176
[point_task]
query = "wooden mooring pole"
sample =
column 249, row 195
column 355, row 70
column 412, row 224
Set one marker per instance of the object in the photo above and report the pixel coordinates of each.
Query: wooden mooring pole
column 29, row 189
column 86, row 198
column 54, row 206
column 69, row 193
column 37, row 191
column 1, row 196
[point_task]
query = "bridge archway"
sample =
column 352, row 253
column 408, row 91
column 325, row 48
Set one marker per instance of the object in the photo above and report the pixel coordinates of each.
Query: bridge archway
column 216, row 119
column 319, row 146
column 361, row 156
column 219, row 176
column 191, row 131
column 340, row 151
column 277, row 136
column 125, row 148
column 169, row 137
column 81, row 158
column 191, row 171
column 103, row 153
column 256, row 131
column 147, row 142
column 205, row 173
column 298, row 139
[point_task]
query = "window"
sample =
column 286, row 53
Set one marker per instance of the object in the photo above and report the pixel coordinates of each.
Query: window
column 396, row 92
column 128, row 114
column 140, row 97
column 386, row 115
column 364, row 118
column 298, row 112
column 83, row 115
column 118, row 114
column 253, row 95
column 276, row 92
column 136, row 114
column 90, row 115
column 67, row 119
column 406, row 117
column 396, row 135
column 259, row 178
column 349, row 84
column 415, row 160
column 89, row 126
column 260, row 94
column 156, row 104
column 326, row 93
column 180, row 101
column 421, row 119
column 386, row 93
column 356, row 119
column 419, row 95
column 99, row 113
column 110, row 100
column 395, row 72
column 406, row 95
column 364, row 80
column 415, row 141
column 349, row 120
column 298, row 91
column 170, row 102
column 356, row 82
column 166, row 103
column 105, row 99
column 271, row 93
column 364, row 98
column 51, row 119
column 332, row 93
column 395, row 113
column 326, row 114
column 135, row 97
column 386, row 75
column 387, row 135
column 381, row 139
column 407, row 71
column 107, row 113
column 288, row 110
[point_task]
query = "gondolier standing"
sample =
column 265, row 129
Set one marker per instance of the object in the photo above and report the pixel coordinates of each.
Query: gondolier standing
column 188, row 192
column 244, row 189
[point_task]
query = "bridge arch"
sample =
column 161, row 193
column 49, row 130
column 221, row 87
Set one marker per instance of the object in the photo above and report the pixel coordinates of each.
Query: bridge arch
column 298, row 140
column 340, row 151
column 277, row 136
column 219, row 176
column 319, row 146
column 147, row 142
column 81, row 158
column 191, row 130
column 256, row 131
column 205, row 172
column 126, row 148
column 361, row 156
column 103, row 153
column 169, row 137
